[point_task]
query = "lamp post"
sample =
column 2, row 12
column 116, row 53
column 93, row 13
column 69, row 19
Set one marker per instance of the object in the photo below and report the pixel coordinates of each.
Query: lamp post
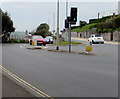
column 66, row 8
column 53, row 23
column 57, row 47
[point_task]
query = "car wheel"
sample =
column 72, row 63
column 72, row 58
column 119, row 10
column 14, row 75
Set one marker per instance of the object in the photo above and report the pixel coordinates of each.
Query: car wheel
column 93, row 42
column 51, row 42
column 102, row 42
column 44, row 44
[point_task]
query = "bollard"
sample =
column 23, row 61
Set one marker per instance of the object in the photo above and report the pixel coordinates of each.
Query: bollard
column 33, row 43
column 89, row 49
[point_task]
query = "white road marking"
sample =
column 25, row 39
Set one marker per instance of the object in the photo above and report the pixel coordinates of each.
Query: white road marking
column 21, row 46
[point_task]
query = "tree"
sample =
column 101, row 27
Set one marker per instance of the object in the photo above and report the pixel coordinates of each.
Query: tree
column 43, row 30
column 110, row 24
column 7, row 26
column 83, row 23
column 116, row 20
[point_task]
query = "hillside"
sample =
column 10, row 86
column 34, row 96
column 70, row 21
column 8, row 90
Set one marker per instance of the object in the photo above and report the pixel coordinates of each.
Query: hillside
column 84, row 28
column 105, row 24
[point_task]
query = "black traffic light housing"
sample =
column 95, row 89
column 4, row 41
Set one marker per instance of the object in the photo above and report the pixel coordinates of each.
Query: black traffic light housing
column 66, row 24
column 73, row 14
column 69, row 19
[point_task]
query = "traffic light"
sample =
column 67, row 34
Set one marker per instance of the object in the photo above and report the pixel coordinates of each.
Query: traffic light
column 69, row 19
column 66, row 24
column 73, row 14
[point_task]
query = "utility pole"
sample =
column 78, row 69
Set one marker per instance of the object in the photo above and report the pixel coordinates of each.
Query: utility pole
column 98, row 15
column 66, row 8
column 98, row 19
column 57, row 47
column 53, row 23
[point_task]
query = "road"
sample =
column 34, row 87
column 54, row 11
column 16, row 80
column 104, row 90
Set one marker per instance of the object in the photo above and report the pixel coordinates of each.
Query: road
column 63, row 74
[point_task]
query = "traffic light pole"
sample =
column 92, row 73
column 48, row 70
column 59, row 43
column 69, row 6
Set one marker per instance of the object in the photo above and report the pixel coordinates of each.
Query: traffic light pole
column 69, row 40
column 72, row 20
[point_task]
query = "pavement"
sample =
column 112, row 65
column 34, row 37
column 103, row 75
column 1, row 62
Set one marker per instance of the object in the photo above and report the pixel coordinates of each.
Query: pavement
column 11, row 89
column 14, row 86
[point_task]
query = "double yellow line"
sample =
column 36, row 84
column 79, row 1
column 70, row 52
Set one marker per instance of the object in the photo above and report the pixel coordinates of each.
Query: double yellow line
column 31, row 87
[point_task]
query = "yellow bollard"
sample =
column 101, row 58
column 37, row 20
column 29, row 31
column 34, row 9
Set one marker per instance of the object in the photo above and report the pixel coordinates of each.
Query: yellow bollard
column 33, row 43
column 88, row 48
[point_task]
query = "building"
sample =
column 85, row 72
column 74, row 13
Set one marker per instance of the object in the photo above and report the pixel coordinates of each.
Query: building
column 119, row 7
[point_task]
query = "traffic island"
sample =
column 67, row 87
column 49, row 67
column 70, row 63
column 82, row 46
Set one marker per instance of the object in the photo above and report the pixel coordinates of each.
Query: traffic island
column 34, row 47
column 86, row 53
column 62, row 51
column 72, row 52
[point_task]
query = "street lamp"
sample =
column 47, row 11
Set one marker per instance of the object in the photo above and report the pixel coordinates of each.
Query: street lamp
column 57, row 47
column 66, row 8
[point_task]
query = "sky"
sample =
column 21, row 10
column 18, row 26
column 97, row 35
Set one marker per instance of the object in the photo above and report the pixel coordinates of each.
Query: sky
column 29, row 15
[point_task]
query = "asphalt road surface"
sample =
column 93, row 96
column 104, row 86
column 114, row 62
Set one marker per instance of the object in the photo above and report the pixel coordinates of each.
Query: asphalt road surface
column 63, row 74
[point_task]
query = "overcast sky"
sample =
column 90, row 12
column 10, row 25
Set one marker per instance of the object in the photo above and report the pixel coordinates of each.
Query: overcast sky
column 29, row 15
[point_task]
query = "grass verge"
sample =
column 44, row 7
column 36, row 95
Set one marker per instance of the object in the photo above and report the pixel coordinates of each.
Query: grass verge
column 84, row 28
column 66, row 43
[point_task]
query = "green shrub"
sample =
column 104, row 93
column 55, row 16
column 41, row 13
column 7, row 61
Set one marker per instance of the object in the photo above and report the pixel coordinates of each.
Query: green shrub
column 24, row 41
column 12, row 41
column 17, row 41
column 110, row 30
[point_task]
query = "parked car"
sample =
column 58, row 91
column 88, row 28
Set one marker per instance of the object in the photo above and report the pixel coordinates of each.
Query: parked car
column 37, row 40
column 49, row 40
column 96, row 38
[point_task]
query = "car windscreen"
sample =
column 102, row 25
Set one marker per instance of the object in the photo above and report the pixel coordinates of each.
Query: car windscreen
column 37, row 37
column 49, row 37
column 97, row 35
